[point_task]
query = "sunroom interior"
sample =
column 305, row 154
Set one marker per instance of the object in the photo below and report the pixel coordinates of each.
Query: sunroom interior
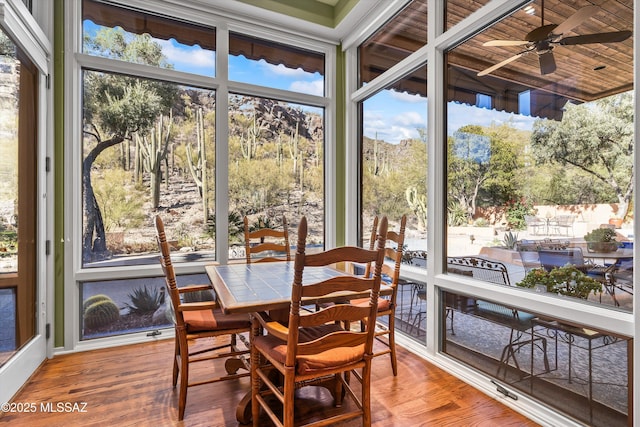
column 498, row 136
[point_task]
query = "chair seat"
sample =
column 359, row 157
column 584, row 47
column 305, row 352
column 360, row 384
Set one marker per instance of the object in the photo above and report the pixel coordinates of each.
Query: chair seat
column 384, row 304
column 214, row 320
column 309, row 363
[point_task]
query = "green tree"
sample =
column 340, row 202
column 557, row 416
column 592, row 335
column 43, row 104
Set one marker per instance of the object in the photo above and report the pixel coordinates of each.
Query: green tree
column 596, row 138
column 483, row 166
column 115, row 107
column 504, row 179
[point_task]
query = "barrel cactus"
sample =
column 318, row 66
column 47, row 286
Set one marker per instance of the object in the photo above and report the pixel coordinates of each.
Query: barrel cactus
column 93, row 299
column 101, row 313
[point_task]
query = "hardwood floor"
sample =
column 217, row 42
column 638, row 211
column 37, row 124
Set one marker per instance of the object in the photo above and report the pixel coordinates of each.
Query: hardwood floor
column 131, row 386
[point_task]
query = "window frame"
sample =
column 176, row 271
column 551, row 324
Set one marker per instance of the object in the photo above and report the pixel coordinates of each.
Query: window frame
column 439, row 41
column 77, row 61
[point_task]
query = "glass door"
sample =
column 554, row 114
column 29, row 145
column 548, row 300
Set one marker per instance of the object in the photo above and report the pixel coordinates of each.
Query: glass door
column 22, row 265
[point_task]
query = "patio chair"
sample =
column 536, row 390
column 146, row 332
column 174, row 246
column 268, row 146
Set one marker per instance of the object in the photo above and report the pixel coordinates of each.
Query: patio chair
column 563, row 224
column 550, row 259
column 530, row 260
column 197, row 322
column 263, row 244
column 535, row 224
column 314, row 347
column 622, row 272
column 622, row 276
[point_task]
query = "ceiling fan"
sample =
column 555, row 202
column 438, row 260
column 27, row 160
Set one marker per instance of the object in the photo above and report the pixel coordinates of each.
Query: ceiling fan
column 543, row 39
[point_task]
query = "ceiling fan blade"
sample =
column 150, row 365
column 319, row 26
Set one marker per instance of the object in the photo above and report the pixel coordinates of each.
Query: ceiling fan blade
column 505, row 43
column 500, row 64
column 547, row 63
column 576, row 19
column 616, row 36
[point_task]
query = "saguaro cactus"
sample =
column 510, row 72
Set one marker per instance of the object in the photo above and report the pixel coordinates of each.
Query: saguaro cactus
column 250, row 145
column 418, row 204
column 154, row 150
column 293, row 148
column 198, row 164
column 379, row 159
column 279, row 151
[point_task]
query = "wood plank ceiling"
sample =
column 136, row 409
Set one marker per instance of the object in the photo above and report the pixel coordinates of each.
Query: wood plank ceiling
column 584, row 72
column 579, row 74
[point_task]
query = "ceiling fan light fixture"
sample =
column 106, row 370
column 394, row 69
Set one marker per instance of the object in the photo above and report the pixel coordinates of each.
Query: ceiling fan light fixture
column 543, row 39
column 530, row 10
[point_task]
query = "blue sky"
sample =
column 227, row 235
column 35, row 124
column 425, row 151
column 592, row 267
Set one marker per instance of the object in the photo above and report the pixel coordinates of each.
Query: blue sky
column 389, row 115
column 395, row 116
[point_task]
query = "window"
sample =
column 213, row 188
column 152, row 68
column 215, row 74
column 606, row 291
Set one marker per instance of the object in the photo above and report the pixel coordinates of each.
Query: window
column 151, row 133
column 159, row 159
column 483, row 101
column 116, row 307
column 396, row 40
column 130, row 35
column 524, row 103
column 456, row 11
column 276, row 65
column 509, row 194
column 275, row 167
column 529, row 179
column 394, row 157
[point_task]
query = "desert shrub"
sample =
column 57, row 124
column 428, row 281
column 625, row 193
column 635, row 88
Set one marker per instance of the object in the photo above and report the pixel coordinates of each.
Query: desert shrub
column 120, row 202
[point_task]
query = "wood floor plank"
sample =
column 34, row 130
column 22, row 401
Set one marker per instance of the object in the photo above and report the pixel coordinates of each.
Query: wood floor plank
column 131, row 386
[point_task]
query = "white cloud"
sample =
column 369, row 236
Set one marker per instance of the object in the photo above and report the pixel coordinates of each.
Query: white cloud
column 410, row 118
column 189, row 57
column 461, row 114
column 283, row 71
column 315, row 87
column 392, row 129
column 406, row 97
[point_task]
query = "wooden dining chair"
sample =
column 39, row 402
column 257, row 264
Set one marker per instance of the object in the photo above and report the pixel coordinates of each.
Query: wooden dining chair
column 196, row 321
column 262, row 242
column 390, row 276
column 313, row 346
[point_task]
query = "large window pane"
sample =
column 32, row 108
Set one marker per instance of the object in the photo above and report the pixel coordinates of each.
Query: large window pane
column 148, row 148
column 276, row 167
column 457, row 10
column 540, row 144
column 404, row 34
column 580, row 371
column 539, row 154
column 394, row 158
column 266, row 63
column 19, row 198
column 177, row 45
column 393, row 167
column 10, row 72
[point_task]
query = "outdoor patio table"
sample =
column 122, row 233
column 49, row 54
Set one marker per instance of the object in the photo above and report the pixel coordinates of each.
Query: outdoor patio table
column 586, row 339
column 621, row 253
column 250, row 288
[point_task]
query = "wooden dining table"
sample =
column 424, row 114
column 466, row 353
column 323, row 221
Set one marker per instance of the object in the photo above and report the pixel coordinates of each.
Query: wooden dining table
column 251, row 288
